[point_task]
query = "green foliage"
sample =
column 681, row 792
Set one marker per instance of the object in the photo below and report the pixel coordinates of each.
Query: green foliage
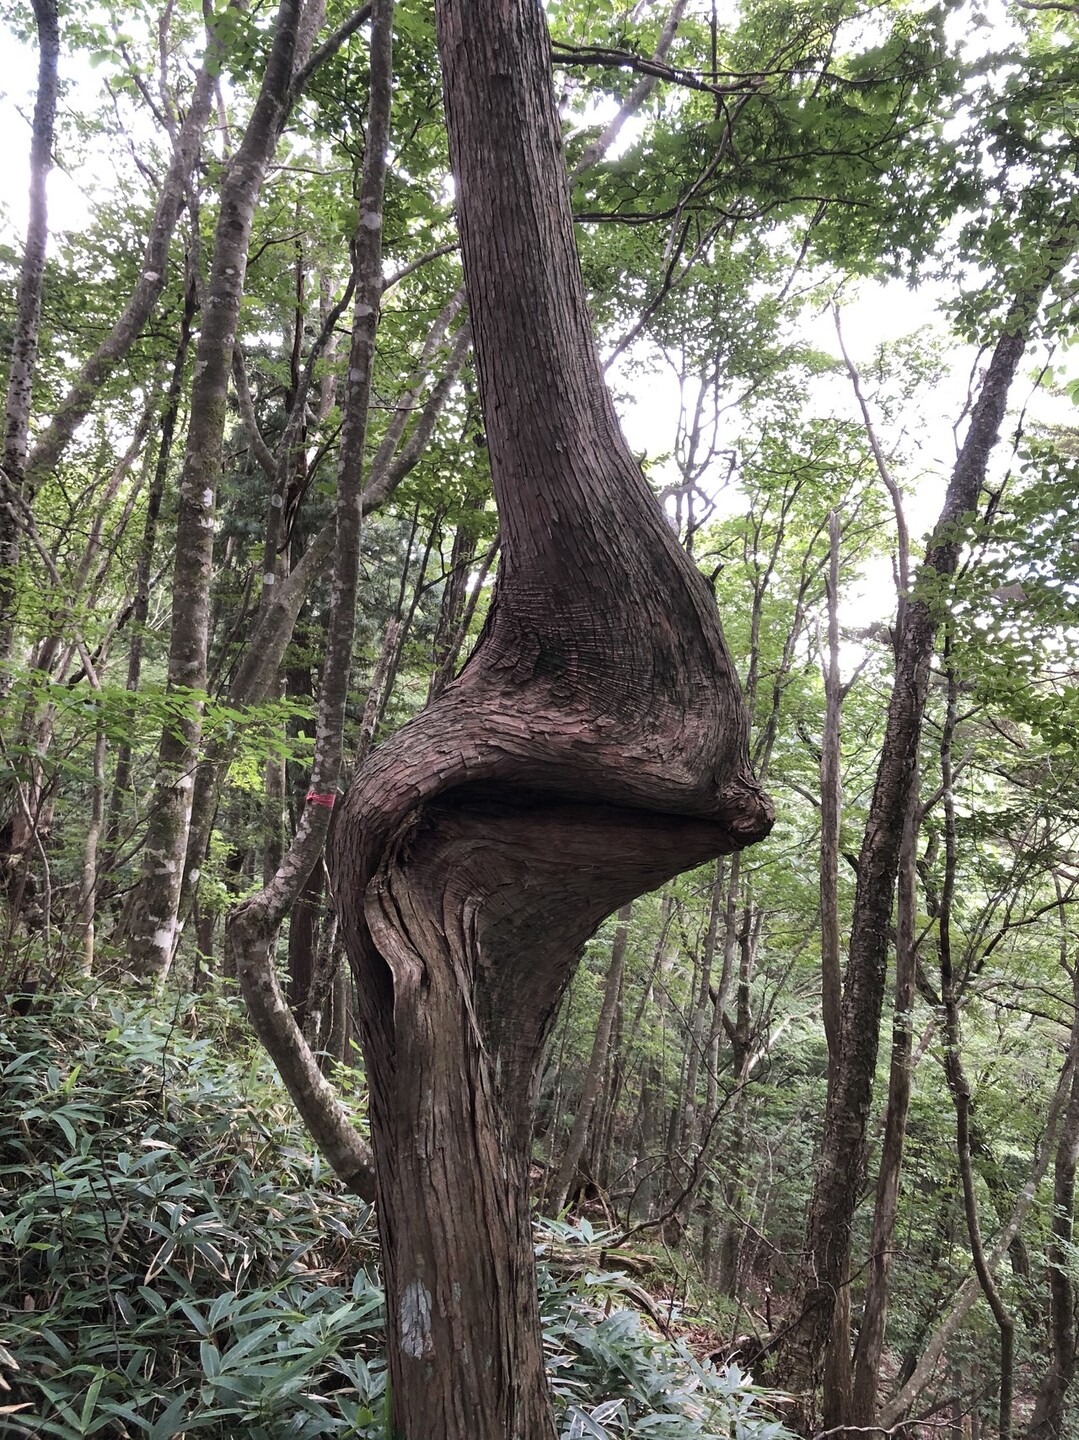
column 173, row 1259
column 170, row 1257
column 648, row 1387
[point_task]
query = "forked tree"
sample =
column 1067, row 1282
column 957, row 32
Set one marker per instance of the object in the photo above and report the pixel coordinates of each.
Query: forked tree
column 593, row 746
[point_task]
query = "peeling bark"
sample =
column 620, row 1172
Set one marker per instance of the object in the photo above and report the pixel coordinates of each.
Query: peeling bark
column 593, row 746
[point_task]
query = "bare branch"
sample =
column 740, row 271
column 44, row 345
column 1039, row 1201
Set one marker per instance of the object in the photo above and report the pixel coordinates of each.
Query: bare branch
column 259, row 448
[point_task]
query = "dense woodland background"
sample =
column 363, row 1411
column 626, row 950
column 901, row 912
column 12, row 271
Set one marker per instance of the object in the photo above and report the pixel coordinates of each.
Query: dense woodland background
column 740, row 179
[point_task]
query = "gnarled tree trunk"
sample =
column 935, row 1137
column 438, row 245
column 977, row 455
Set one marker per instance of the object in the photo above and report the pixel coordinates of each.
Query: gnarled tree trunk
column 594, row 745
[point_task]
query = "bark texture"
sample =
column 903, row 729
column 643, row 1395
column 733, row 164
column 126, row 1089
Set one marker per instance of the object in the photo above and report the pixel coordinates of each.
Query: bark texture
column 594, row 745
column 870, row 1346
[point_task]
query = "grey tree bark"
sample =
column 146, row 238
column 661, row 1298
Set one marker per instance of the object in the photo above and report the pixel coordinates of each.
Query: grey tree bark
column 24, row 343
column 152, row 917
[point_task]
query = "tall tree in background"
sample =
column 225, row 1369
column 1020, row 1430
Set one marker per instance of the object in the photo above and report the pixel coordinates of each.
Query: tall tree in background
column 27, row 320
column 841, row 1168
column 770, row 158
column 153, row 918
column 594, row 745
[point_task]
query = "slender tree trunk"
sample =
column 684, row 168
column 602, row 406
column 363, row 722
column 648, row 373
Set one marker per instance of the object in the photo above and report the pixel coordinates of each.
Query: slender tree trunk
column 831, row 804
column 578, row 1134
column 740, row 1034
column 303, row 944
column 954, row 1069
column 321, row 1016
column 842, row 1162
column 685, row 1126
column 871, row 1333
column 153, row 276
column 602, row 1132
column 88, row 893
column 717, row 996
column 144, row 564
column 593, row 745
column 152, row 923
column 1049, row 1419
column 838, row 1377
column 24, row 346
column 280, row 604
column 913, row 1380
column 252, row 926
column 451, row 610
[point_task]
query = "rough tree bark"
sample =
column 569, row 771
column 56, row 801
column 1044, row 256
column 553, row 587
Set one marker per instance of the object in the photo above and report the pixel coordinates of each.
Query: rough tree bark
column 870, row 1346
column 594, row 745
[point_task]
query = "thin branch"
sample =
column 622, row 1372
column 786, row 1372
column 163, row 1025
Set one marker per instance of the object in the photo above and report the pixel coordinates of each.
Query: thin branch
column 564, row 54
column 640, row 93
column 418, row 263
column 902, row 534
column 259, row 448
column 329, row 48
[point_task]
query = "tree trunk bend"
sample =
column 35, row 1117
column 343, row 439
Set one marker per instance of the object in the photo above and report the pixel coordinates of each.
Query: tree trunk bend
column 593, row 746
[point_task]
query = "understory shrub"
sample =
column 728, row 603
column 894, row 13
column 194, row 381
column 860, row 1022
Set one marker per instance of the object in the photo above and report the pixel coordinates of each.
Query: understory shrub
column 175, row 1260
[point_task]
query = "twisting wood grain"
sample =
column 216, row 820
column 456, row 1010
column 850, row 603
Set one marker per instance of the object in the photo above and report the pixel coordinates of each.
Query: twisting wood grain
column 593, row 746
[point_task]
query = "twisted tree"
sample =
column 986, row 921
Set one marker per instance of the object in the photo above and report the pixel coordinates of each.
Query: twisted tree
column 593, row 746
